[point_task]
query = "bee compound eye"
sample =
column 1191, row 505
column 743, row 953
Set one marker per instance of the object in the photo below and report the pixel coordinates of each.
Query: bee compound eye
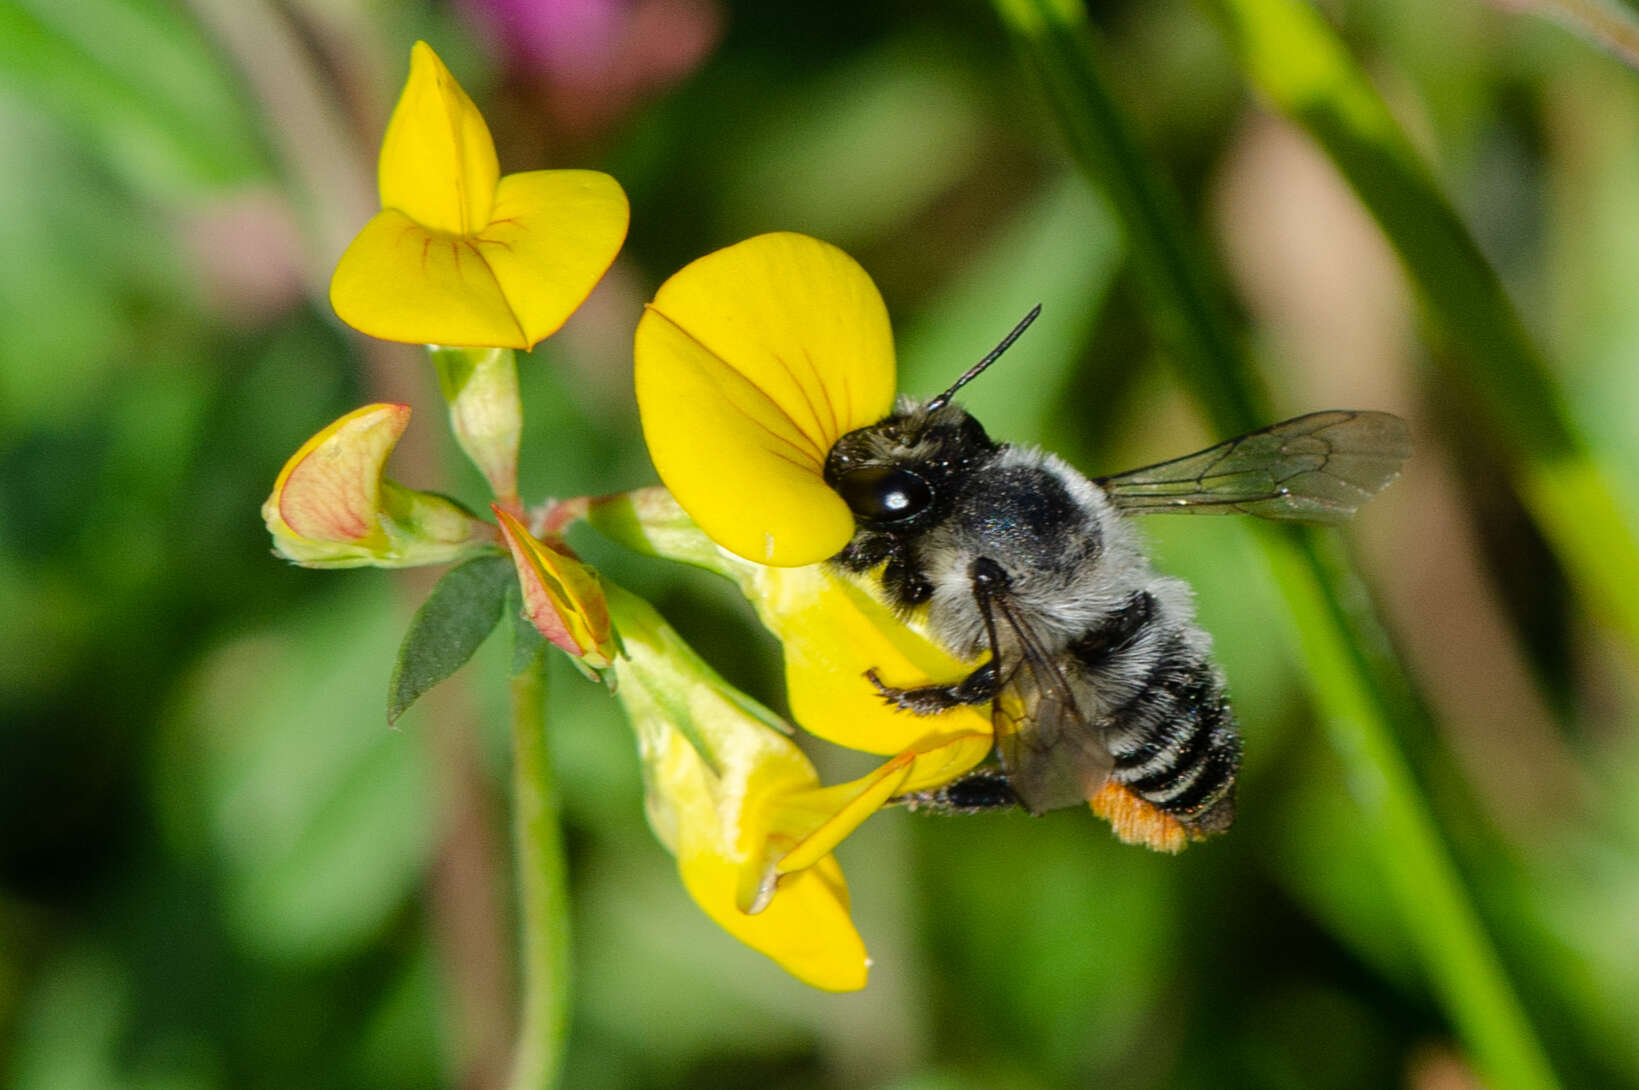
column 884, row 494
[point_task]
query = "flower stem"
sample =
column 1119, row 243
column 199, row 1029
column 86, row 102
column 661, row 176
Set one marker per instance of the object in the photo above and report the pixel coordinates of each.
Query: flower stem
column 543, row 890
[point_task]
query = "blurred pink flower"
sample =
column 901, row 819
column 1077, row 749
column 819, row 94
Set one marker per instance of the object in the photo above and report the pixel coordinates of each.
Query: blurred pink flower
column 220, row 231
column 595, row 59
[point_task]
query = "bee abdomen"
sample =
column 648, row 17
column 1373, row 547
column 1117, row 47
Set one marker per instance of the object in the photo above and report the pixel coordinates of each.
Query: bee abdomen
column 1176, row 745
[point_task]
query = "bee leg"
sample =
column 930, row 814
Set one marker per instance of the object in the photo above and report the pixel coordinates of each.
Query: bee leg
column 866, row 551
column 980, row 791
column 904, row 582
column 979, row 687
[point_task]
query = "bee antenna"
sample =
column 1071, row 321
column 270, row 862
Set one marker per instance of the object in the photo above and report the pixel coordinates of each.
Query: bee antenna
column 995, row 354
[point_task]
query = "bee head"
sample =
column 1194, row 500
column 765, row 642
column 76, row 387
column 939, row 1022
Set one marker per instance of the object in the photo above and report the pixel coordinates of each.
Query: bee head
column 904, row 468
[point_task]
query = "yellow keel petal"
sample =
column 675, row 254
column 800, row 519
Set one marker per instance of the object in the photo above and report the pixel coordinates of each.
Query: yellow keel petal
column 833, row 632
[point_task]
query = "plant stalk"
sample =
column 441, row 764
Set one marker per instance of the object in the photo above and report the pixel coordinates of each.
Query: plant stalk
column 543, row 890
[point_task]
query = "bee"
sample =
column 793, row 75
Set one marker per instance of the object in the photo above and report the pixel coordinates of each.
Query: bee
column 1101, row 684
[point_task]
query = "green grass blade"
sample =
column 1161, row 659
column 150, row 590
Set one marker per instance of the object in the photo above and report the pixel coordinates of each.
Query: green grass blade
column 1359, row 696
column 1183, row 291
column 1295, row 59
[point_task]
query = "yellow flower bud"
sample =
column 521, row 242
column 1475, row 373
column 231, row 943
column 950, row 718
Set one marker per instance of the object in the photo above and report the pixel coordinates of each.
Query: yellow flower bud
column 562, row 597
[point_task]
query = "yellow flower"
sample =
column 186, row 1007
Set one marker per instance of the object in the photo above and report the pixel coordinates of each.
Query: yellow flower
column 751, row 363
column 331, row 507
column 741, row 808
column 563, row 598
column 459, row 255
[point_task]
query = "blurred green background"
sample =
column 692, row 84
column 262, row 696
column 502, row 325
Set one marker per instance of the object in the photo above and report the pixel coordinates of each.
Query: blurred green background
column 219, row 868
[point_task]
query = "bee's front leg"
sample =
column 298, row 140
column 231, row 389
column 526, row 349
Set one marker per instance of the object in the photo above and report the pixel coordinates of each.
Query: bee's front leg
column 979, row 687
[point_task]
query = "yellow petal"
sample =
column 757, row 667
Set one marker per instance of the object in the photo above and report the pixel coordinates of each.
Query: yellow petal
column 805, row 929
column 942, row 763
column 551, row 237
column 808, row 825
column 438, row 162
column 833, row 632
column 712, row 770
column 751, row 363
column 329, row 490
column 401, row 282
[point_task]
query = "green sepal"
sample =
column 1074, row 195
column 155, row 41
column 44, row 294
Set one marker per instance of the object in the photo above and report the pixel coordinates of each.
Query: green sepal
column 480, row 385
column 463, row 608
column 649, row 521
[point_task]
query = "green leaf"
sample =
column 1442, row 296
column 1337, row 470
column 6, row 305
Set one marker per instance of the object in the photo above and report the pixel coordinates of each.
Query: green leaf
column 461, row 610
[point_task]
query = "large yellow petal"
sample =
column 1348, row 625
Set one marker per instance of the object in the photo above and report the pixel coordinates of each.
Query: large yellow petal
column 401, row 282
column 438, row 161
column 552, row 236
column 750, row 479
column 751, row 363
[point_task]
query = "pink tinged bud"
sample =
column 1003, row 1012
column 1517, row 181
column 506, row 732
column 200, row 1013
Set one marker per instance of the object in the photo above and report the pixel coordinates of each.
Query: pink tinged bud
column 330, row 490
column 332, row 508
column 562, row 596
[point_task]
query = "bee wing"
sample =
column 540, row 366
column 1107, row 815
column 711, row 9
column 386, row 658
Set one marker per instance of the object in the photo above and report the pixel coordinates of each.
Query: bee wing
column 1315, row 468
column 1052, row 755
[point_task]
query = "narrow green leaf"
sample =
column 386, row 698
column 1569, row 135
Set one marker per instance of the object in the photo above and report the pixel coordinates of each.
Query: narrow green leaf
column 1296, row 60
column 137, row 79
column 1183, row 288
column 461, row 610
column 1360, row 693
